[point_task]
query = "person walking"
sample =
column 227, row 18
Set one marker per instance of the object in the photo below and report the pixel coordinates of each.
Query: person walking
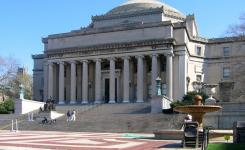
column 68, row 114
column 73, row 115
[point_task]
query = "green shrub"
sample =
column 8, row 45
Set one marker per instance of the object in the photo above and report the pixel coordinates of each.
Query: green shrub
column 188, row 99
column 7, row 107
column 3, row 110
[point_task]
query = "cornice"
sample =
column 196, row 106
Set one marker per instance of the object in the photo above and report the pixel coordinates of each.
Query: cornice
column 109, row 46
column 182, row 25
column 38, row 56
column 226, row 40
column 89, row 31
column 203, row 40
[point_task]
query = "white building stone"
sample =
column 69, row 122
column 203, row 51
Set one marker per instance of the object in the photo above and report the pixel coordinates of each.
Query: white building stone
column 117, row 57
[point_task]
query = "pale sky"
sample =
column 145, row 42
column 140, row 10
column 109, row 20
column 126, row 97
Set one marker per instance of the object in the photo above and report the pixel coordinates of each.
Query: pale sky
column 24, row 22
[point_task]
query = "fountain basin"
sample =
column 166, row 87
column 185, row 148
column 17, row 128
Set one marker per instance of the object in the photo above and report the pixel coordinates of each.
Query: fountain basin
column 197, row 108
column 197, row 111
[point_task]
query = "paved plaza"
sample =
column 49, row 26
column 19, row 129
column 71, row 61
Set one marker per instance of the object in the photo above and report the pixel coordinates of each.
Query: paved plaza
column 42, row 140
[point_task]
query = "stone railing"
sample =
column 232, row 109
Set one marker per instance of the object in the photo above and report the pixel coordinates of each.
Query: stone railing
column 166, row 102
column 23, row 106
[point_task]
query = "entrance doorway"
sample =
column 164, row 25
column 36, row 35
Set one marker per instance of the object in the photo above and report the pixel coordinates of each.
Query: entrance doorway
column 107, row 90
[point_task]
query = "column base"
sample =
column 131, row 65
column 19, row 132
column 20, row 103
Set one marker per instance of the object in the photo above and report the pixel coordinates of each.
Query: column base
column 61, row 102
column 84, row 102
column 112, row 102
column 73, row 102
column 139, row 101
column 126, row 101
column 97, row 102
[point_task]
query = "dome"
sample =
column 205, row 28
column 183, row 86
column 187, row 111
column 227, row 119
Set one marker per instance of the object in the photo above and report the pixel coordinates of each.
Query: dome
column 139, row 5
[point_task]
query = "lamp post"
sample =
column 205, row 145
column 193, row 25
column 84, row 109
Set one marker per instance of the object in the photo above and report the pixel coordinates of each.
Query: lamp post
column 158, row 86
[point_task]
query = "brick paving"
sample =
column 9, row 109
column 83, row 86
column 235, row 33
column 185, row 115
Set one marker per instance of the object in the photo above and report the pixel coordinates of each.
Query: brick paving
column 43, row 140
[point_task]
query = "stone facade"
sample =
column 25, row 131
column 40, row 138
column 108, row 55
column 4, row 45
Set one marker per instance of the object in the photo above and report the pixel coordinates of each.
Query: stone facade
column 120, row 54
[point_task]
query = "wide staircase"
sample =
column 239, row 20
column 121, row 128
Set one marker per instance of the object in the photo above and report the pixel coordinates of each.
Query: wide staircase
column 107, row 118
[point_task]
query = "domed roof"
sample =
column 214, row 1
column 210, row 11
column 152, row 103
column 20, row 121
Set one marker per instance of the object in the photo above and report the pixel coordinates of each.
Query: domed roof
column 139, row 5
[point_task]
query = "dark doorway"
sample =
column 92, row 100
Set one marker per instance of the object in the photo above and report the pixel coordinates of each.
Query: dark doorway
column 107, row 90
column 116, row 90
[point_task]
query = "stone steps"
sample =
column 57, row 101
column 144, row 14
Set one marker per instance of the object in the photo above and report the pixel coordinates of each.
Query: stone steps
column 109, row 118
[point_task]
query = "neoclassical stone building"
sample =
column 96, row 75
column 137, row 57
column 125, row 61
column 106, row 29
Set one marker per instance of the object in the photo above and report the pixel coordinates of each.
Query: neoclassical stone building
column 117, row 58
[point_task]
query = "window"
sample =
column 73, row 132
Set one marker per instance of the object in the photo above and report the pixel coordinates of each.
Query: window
column 226, row 72
column 226, row 51
column 199, row 78
column 198, row 50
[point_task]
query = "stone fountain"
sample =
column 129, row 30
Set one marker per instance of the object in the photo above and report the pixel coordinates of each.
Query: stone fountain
column 198, row 110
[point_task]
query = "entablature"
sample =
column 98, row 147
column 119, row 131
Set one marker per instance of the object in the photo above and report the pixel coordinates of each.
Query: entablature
column 120, row 49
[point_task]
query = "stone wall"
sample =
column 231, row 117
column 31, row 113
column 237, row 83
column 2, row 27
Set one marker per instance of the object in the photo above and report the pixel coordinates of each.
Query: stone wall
column 225, row 118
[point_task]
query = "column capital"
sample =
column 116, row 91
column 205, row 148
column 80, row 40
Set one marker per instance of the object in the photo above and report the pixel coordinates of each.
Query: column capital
column 84, row 61
column 139, row 56
column 61, row 63
column 154, row 55
column 169, row 54
column 112, row 58
column 126, row 57
column 49, row 63
column 97, row 60
column 73, row 62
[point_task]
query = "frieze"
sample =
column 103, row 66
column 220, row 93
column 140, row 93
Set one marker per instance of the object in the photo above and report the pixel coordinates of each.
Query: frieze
column 108, row 48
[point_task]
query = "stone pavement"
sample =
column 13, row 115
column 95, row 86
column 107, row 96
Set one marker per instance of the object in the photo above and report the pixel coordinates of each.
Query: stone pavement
column 40, row 140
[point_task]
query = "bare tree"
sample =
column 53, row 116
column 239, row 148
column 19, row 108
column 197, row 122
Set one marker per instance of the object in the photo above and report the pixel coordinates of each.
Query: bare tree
column 26, row 80
column 8, row 67
column 237, row 29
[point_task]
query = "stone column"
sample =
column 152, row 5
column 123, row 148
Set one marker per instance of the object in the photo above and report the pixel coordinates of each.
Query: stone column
column 154, row 73
column 112, row 80
column 182, row 75
column 45, row 87
column 126, row 79
column 61, row 83
column 98, row 81
column 50, row 80
column 85, row 82
column 140, row 79
column 73, row 82
column 170, row 75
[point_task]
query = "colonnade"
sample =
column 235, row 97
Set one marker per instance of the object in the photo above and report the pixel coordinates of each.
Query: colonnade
column 98, row 78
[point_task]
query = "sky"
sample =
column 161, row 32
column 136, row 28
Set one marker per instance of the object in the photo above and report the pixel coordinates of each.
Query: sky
column 23, row 23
